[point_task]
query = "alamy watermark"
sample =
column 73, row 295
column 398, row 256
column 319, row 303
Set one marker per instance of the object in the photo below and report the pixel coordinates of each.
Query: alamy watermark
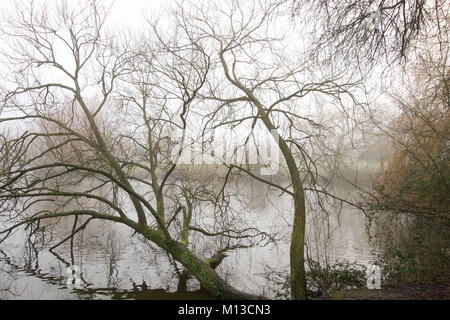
column 73, row 277
column 373, row 274
column 244, row 148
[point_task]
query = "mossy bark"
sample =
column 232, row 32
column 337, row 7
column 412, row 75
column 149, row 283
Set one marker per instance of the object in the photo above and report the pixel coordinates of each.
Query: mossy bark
column 297, row 249
column 297, row 254
column 187, row 217
column 207, row 277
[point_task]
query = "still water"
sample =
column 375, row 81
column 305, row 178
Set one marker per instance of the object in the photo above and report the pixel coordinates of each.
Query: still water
column 114, row 264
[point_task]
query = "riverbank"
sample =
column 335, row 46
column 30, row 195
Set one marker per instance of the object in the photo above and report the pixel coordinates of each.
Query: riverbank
column 412, row 291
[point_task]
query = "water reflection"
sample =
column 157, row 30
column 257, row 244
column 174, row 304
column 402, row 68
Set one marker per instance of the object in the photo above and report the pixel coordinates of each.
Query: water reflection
column 56, row 276
column 115, row 264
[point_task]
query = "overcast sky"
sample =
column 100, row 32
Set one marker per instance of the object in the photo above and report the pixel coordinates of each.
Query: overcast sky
column 124, row 12
column 130, row 12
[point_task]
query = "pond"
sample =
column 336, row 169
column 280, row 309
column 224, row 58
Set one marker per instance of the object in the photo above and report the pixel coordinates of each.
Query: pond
column 115, row 264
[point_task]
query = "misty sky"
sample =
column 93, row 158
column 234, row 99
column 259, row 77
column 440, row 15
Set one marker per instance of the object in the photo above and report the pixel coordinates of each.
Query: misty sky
column 124, row 12
column 130, row 15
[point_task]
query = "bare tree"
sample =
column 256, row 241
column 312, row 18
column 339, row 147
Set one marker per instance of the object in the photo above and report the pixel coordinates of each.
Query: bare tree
column 257, row 85
column 363, row 31
column 96, row 111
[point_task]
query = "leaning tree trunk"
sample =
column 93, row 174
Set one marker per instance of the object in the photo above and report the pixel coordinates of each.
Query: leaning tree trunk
column 297, row 250
column 200, row 269
column 297, row 254
column 298, row 274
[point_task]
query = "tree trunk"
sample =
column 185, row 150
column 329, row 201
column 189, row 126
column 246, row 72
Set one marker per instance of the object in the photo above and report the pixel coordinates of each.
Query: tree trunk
column 297, row 254
column 297, row 250
column 297, row 259
column 207, row 277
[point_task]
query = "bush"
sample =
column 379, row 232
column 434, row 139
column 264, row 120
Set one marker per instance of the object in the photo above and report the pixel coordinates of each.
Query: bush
column 419, row 252
column 323, row 280
column 411, row 202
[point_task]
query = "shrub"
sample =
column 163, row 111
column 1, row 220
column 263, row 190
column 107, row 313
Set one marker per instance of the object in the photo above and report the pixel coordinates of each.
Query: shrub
column 419, row 252
column 323, row 280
